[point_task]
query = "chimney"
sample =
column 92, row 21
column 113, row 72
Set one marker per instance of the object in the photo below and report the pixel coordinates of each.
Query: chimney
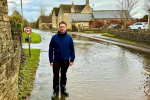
column 72, row 8
column 87, row 2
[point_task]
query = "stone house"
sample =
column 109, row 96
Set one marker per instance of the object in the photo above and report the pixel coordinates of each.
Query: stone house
column 78, row 19
column 66, row 9
column 107, row 15
column 81, row 14
column 45, row 22
column 55, row 17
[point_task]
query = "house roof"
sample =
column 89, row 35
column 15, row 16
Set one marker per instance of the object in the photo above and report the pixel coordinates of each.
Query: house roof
column 67, row 8
column 80, row 17
column 108, row 14
column 46, row 19
column 56, row 10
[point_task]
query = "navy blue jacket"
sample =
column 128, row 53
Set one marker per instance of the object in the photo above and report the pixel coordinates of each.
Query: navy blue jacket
column 63, row 47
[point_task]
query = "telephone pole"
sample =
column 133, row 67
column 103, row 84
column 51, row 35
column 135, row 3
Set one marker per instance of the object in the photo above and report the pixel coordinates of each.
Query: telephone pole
column 22, row 22
column 22, row 15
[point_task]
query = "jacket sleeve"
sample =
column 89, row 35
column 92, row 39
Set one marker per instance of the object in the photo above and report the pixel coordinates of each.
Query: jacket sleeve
column 51, row 49
column 72, row 50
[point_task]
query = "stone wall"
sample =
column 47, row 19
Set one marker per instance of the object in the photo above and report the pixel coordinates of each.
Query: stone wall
column 140, row 36
column 96, row 30
column 10, row 51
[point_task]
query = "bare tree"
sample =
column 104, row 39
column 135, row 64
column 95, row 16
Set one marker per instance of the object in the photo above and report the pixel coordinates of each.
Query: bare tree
column 12, row 2
column 126, row 9
column 42, row 10
column 146, row 5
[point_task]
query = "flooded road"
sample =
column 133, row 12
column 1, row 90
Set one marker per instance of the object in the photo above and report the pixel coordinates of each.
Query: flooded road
column 101, row 71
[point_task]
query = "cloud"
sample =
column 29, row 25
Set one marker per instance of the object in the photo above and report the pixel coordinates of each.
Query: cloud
column 24, row 2
column 104, row 6
column 27, row 2
column 138, row 15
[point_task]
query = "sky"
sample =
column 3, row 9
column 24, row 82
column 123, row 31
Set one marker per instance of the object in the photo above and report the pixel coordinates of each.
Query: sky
column 30, row 7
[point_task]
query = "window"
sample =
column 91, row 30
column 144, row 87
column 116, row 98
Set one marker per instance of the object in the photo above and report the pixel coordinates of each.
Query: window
column 60, row 16
column 138, row 23
column 82, row 24
column 53, row 17
column 53, row 24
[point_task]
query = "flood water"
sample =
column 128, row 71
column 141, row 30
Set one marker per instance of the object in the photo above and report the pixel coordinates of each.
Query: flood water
column 101, row 71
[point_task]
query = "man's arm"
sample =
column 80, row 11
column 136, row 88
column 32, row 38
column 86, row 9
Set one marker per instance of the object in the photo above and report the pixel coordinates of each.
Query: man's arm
column 51, row 46
column 72, row 51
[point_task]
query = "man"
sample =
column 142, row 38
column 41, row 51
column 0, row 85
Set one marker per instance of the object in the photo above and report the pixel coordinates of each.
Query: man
column 64, row 54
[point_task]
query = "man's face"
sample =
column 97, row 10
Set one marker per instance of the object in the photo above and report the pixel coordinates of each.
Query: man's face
column 62, row 28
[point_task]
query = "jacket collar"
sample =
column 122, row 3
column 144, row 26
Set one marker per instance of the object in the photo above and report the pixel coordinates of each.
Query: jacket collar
column 62, row 34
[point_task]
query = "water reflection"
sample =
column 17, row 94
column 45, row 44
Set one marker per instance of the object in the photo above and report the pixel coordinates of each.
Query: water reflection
column 61, row 97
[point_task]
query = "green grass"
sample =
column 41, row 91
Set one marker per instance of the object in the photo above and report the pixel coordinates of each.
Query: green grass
column 27, row 73
column 89, row 31
column 125, row 40
column 21, row 26
column 36, row 38
column 109, row 35
column 114, row 36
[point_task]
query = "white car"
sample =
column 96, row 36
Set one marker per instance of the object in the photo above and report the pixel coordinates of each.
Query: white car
column 138, row 26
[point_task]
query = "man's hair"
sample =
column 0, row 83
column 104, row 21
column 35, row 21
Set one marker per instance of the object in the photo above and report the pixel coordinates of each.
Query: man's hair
column 62, row 22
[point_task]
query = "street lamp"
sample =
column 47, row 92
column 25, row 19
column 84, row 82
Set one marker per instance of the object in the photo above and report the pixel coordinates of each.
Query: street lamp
column 149, row 19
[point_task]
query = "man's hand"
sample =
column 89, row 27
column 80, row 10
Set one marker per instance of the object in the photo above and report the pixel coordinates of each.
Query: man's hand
column 51, row 64
column 71, row 63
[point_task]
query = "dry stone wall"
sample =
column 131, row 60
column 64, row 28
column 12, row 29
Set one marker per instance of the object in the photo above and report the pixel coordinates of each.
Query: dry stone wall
column 96, row 30
column 10, row 50
column 140, row 36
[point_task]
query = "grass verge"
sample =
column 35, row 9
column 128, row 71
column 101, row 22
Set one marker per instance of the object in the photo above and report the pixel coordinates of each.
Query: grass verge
column 89, row 31
column 27, row 73
column 109, row 35
column 114, row 36
column 36, row 38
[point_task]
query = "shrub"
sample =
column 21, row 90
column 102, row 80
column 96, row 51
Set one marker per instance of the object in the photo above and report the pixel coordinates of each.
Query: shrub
column 142, row 20
column 37, row 24
column 96, row 24
column 17, row 18
column 146, row 17
column 74, row 28
column 92, row 24
column 13, row 26
column 114, row 21
column 99, row 24
column 18, row 25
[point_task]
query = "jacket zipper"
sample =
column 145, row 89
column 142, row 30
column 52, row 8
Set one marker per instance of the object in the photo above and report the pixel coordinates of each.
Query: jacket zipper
column 62, row 46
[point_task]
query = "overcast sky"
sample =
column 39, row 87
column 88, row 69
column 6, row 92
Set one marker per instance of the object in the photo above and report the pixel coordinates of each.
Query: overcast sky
column 30, row 7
